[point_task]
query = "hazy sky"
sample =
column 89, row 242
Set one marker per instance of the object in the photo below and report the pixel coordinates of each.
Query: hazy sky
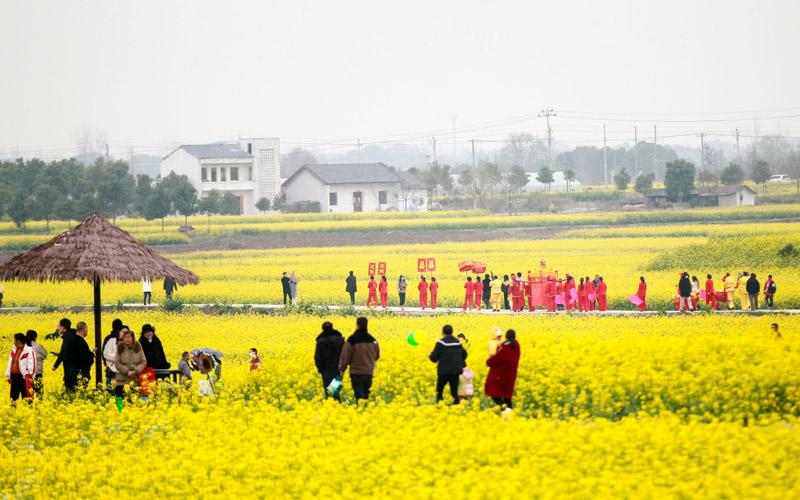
column 150, row 73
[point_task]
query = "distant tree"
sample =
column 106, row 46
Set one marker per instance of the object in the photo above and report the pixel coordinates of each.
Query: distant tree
column 159, row 204
column 569, row 178
column 522, row 149
column 545, row 176
column 181, row 194
column 43, row 202
column 732, row 174
column 19, row 209
column 263, row 204
column 209, row 204
column 644, row 183
column 679, row 180
column 707, row 178
column 489, row 177
column 436, row 178
column 760, row 173
column 230, row 205
column 513, row 182
column 144, row 188
column 622, row 179
column 713, row 159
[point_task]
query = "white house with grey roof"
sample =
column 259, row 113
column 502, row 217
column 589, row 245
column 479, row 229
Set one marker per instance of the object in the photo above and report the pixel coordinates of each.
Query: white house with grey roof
column 356, row 187
column 250, row 170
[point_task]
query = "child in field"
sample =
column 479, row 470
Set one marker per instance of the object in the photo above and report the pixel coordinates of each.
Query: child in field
column 466, row 388
column 255, row 361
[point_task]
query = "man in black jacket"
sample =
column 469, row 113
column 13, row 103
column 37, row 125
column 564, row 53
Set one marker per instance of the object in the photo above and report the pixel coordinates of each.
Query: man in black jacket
column 351, row 288
column 66, row 332
column 685, row 292
column 451, row 358
column 486, row 291
column 753, row 287
column 327, row 354
column 286, row 291
column 78, row 360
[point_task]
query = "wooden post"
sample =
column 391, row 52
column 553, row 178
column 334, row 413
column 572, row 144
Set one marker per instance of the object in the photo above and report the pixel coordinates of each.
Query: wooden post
column 98, row 339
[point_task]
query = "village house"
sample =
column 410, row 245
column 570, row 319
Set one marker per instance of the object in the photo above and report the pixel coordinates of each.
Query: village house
column 718, row 196
column 355, row 187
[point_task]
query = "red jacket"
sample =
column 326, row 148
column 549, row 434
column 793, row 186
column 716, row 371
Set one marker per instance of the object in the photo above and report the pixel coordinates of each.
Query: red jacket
column 434, row 287
column 502, row 371
column 422, row 287
column 469, row 287
column 372, row 285
column 642, row 291
column 382, row 286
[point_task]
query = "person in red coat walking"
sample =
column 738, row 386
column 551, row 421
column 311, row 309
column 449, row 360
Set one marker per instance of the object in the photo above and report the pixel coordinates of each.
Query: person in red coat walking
column 434, row 289
column 423, row 292
column 383, row 289
column 602, row 299
column 590, row 294
column 517, row 292
column 550, row 294
column 372, row 286
column 581, row 296
column 477, row 289
column 642, row 293
column 711, row 294
column 570, row 297
column 503, row 372
column 469, row 294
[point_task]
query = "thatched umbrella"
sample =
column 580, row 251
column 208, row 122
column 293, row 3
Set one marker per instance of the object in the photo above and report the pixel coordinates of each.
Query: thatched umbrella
column 96, row 251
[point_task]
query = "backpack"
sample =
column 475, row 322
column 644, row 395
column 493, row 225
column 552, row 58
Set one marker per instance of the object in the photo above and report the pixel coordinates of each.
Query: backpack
column 772, row 287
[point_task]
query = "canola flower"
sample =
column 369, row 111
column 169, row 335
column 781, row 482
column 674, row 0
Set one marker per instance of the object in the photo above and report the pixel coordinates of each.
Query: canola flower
column 699, row 406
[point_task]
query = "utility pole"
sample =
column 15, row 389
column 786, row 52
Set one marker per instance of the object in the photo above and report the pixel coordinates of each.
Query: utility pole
column 435, row 158
column 655, row 153
column 636, row 149
column 106, row 147
column 473, row 153
column 547, row 113
column 358, row 147
column 605, row 158
column 737, row 146
column 702, row 152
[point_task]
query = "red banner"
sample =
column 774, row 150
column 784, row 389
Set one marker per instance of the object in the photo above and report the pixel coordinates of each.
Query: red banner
column 381, row 268
column 431, row 264
column 371, row 271
column 422, row 265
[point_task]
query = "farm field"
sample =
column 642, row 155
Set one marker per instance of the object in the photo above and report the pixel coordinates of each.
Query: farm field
column 620, row 255
column 687, row 406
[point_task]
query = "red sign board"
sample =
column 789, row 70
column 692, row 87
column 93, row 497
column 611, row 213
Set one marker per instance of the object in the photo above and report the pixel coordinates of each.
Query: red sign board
column 431, row 264
column 422, row 265
column 371, row 271
column 382, row 268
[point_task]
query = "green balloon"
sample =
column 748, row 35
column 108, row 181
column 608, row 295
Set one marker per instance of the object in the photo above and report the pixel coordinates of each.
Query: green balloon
column 412, row 339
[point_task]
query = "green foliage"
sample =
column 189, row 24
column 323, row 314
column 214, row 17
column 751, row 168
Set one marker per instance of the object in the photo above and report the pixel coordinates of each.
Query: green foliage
column 622, row 179
column 229, row 205
column 263, row 204
column 760, row 172
column 679, row 180
column 707, row 178
column 644, row 183
column 545, row 176
column 755, row 253
column 732, row 174
column 788, row 251
column 144, row 189
column 172, row 305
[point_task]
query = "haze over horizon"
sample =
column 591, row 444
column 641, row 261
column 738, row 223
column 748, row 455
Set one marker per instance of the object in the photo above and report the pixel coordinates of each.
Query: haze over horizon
column 320, row 75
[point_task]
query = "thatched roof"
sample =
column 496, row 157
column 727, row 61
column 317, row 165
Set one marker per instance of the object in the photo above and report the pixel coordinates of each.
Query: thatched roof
column 95, row 248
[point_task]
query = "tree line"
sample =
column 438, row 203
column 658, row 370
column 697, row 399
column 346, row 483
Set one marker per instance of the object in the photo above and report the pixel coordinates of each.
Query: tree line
column 68, row 190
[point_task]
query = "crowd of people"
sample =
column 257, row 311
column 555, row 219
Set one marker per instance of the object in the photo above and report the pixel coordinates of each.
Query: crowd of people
column 360, row 352
column 745, row 288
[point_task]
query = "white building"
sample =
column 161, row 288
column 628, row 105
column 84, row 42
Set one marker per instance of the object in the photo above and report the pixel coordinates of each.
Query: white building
column 559, row 184
column 249, row 170
column 356, row 187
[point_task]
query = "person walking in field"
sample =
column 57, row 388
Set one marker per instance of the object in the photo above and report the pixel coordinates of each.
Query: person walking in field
column 591, row 295
column 21, row 368
column 753, row 289
column 40, row 354
column 383, row 290
column 402, row 286
column 711, row 297
column 517, row 294
column 422, row 287
column 486, row 291
column 506, row 287
column 433, row 288
column 360, row 353
column 769, row 291
column 372, row 295
column 729, row 283
column 581, row 296
column 642, row 294
column 695, row 292
column 351, row 287
column 477, row 288
column 570, row 294
column 502, row 375
column 741, row 286
column 450, row 356
column 169, row 286
column 602, row 297
column 469, row 294
column 147, row 290
column 684, row 293
column 287, row 293
column 496, row 289
column 327, row 354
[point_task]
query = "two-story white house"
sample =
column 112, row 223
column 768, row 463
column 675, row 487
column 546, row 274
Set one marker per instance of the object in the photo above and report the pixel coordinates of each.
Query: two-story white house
column 356, row 187
column 249, row 170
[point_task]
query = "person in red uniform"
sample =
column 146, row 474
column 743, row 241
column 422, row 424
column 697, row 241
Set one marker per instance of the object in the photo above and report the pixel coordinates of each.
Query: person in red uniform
column 434, row 289
column 517, row 293
column 581, row 296
column 642, row 293
column 383, row 289
column 569, row 286
column 423, row 292
column 711, row 294
column 550, row 293
column 477, row 290
column 372, row 286
column 602, row 299
column 469, row 294
column 590, row 294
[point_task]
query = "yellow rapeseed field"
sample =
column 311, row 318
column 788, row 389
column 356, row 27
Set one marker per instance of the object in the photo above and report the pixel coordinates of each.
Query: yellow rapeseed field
column 699, row 406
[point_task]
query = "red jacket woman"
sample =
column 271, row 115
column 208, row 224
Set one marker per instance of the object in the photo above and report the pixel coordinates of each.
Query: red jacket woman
column 642, row 294
column 383, row 290
column 503, row 371
column 372, row 298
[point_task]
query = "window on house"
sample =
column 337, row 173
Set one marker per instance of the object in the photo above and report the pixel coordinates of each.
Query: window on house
column 234, row 173
column 222, row 173
column 249, row 173
column 333, row 199
column 204, row 174
column 213, row 175
column 382, row 197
